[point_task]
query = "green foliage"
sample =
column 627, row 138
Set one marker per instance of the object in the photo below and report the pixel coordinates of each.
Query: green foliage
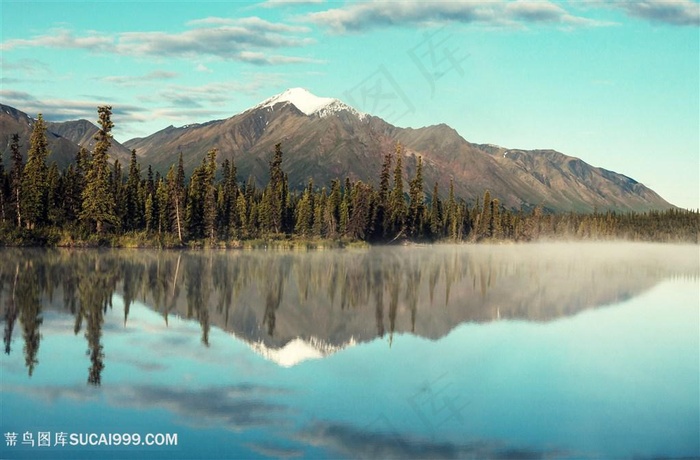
column 397, row 209
column 93, row 204
column 416, row 206
column 275, row 196
column 98, row 199
column 16, row 178
column 134, row 212
column 34, row 196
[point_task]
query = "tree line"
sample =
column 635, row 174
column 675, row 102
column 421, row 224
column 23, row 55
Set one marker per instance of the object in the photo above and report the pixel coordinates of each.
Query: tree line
column 92, row 200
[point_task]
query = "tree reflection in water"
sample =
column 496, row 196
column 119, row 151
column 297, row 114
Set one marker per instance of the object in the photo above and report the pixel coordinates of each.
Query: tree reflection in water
column 329, row 296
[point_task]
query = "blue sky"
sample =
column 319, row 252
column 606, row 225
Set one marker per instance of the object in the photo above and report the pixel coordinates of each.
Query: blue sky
column 615, row 83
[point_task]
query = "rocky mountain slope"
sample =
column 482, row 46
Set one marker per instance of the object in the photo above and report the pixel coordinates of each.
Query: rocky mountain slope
column 324, row 139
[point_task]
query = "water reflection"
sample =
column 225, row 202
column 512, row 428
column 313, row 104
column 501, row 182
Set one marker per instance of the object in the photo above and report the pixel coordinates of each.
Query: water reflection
column 527, row 351
column 292, row 306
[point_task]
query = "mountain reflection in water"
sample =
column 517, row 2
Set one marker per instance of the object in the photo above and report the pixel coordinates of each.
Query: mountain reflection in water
column 475, row 351
column 293, row 306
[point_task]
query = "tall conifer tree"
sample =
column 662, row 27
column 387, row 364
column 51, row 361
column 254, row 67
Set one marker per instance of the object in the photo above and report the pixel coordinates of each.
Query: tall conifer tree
column 98, row 201
column 397, row 203
column 417, row 202
column 16, row 178
column 35, row 190
column 275, row 195
column 134, row 212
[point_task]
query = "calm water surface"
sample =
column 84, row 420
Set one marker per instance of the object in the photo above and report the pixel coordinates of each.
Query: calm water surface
column 515, row 351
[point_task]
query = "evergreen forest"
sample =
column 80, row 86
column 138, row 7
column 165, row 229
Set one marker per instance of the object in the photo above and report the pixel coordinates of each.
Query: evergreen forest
column 95, row 202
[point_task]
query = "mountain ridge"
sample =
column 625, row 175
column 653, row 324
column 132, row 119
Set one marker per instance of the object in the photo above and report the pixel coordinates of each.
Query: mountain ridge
column 327, row 146
column 326, row 139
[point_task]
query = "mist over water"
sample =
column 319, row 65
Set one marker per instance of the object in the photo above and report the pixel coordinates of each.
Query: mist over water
column 556, row 350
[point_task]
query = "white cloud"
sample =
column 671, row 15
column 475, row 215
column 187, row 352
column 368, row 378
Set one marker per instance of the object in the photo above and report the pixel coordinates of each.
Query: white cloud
column 28, row 67
column 259, row 58
column 673, row 12
column 134, row 80
column 63, row 38
column 215, row 94
column 173, row 103
column 359, row 17
column 280, row 3
column 202, row 68
column 236, row 39
column 72, row 109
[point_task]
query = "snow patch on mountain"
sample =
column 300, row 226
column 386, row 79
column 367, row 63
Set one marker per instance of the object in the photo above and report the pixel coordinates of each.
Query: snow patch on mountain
column 298, row 350
column 309, row 103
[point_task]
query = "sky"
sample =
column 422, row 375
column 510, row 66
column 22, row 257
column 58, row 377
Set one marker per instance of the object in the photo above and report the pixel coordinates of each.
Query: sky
column 615, row 83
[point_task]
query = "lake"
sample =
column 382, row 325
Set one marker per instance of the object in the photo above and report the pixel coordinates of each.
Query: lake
column 551, row 350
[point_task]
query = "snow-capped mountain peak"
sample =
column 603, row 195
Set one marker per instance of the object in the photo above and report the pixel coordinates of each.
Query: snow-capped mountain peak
column 309, row 103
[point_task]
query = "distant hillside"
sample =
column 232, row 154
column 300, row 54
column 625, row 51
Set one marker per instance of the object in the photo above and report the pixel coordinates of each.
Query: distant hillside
column 326, row 139
column 65, row 138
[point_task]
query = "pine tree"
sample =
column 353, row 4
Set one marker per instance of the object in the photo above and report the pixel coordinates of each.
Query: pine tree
column 179, row 196
column 200, row 214
column 333, row 209
column 319, row 227
column 150, row 182
column 242, row 215
column 194, row 210
column 73, row 186
column 119, row 193
column 209, row 210
column 434, row 214
column 344, row 217
column 55, row 194
column 164, row 211
column 359, row 221
column 227, row 200
column 71, row 200
column 275, row 195
column 3, row 193
column 381, row 215
column 150, row 213
column 495, row 224
column 34, row 189
column 451, row 220
column 397, row 203
column 417, row 202
column 175, row 198
column 82, row 163
column 345, row 207
column 483, row 225
column 98, row 202
column 16, row 178
column 134, row 214
column 304, row 212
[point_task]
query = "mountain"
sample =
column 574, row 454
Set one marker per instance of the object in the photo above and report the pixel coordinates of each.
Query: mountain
column 295, row 306
column 324, row 139
column 65, row 138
